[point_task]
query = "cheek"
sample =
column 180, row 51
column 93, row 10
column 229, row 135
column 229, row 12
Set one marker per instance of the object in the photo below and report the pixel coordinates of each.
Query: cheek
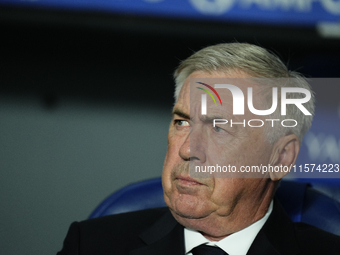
column 166, row 175
column 171, row 159
column 227, row 193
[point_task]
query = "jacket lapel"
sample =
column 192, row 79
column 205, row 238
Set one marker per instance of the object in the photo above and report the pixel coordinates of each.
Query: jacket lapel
column 165, row 237
column 277, row 235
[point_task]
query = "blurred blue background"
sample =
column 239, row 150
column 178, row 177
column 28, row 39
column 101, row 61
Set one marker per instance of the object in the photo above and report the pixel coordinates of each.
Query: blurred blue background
column 86, row 95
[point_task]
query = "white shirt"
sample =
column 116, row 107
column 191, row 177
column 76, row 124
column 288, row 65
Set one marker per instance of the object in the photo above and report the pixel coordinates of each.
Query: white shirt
column 237, row 243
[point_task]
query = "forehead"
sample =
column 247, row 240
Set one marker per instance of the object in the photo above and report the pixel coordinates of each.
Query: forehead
column 192, row 91
column 185, row 90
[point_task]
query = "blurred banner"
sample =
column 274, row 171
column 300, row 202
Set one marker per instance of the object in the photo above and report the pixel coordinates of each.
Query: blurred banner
column 280, row 12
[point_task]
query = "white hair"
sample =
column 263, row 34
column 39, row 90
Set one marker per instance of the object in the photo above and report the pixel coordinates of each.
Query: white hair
column 257, row 62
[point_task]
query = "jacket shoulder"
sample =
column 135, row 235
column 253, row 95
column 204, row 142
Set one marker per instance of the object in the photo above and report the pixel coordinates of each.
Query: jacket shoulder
column 130, row 220
column 113, row 234
column 316, row 241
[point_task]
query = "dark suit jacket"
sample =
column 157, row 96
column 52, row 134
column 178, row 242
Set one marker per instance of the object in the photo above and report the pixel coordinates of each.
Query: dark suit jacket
column 155, row 231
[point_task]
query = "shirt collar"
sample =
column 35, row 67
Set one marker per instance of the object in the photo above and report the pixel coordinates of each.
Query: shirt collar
column 237, row 243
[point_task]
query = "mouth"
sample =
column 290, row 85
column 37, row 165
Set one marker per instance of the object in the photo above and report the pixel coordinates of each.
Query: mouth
column 187, row 181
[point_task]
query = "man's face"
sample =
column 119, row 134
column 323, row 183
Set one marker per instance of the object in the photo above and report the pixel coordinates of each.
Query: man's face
column 193, row 140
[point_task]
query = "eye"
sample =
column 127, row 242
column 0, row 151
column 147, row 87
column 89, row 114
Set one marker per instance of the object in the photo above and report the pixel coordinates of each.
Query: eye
column 182, row 123
column 218, row 129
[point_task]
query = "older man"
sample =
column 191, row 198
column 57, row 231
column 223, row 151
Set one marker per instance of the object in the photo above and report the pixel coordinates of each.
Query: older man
column 217, row 214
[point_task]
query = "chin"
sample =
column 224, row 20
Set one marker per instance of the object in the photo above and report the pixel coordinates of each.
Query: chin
column 189, row 207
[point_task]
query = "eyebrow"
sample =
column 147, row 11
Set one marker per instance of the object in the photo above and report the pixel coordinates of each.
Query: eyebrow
column 209, row 119
column 180, row 114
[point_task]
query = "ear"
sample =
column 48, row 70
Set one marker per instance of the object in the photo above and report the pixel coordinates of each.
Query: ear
column 285, row 152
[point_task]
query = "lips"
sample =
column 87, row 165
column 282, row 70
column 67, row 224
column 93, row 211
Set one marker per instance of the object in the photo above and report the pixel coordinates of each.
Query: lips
column 187, row 181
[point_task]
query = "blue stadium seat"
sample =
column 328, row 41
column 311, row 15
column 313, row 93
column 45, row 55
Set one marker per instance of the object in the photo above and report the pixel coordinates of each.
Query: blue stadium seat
column 313, row 201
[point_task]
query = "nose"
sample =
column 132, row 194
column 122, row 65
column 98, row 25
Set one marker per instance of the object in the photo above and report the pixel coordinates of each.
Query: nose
column 193, row 147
